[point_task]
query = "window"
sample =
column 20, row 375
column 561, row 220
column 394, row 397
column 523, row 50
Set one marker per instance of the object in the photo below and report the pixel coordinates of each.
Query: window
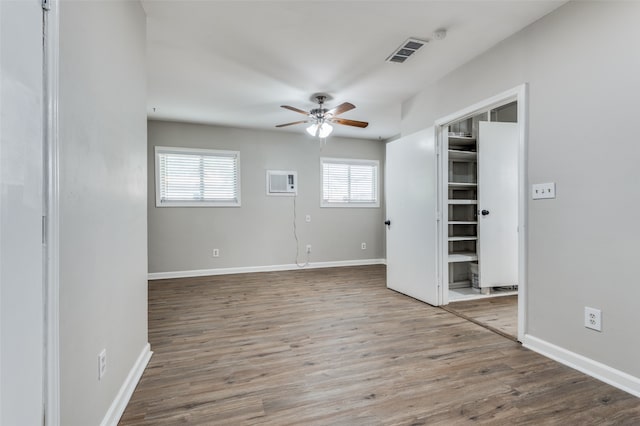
column 197, row 177
column 349, row 183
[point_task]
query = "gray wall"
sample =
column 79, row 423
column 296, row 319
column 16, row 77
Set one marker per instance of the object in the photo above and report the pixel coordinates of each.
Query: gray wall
column 21, row 275
column 582, row 64
column 103, row 172
column 260, row 232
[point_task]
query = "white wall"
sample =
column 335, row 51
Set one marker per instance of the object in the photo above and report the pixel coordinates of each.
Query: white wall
column 21, row 272
column 260, row 232
column 582, row 64
column 103, row 233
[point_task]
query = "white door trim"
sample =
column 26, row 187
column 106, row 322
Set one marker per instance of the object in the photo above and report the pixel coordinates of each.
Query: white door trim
column 519, row 94
column 51, row 255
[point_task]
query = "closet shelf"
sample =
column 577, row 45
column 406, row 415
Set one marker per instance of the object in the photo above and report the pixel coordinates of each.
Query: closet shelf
column 464, row 238
column 463, row 222
column 459, row 155
column 462, row 257
column 461, row 140
column 460, row 284
column 462, row 184
column 463, row 201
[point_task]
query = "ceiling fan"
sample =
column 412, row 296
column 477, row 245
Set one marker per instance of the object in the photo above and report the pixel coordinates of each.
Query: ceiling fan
column 320, row 118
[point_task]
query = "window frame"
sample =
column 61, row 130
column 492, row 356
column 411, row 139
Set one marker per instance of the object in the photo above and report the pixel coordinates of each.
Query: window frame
column 202, row 152
column 350, row 203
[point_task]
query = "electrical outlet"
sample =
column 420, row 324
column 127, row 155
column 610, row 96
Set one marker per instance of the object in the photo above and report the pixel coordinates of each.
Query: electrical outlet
column 307, row 218
column 216, row 252
column 102, row 364
column 593, row 318
column 308, row 248
column 363, row 246
column 543, row 190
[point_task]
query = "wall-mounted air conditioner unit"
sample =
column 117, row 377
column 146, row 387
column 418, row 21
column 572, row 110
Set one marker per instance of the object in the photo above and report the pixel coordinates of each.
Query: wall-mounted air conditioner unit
column 282, row 182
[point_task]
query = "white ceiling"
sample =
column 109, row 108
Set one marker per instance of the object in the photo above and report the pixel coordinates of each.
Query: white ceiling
column 233, row 63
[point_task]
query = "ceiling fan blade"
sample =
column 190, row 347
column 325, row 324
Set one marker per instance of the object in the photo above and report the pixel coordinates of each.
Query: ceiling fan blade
column 294, row 109
column 344, row 107
column 291, row 124
column 346, row 122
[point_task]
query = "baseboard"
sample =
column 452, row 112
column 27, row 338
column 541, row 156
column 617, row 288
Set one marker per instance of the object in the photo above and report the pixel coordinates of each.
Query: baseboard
column 610, row 375
column 266, row 268
column 126, row 390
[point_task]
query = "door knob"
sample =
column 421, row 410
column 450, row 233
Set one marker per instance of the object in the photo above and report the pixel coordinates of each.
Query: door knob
column 484, row 212
column 388, row 223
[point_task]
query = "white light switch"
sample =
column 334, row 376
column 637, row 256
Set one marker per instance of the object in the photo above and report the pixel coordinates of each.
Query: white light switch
column 307, row 218
column 543, row 190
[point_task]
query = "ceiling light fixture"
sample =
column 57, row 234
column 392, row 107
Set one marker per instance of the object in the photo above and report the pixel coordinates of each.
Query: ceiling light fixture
column 321, row 130
column 325, row 130
column 313, row 129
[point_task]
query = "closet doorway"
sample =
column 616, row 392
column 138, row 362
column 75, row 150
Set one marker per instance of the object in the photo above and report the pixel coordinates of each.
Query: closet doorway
column 482, row 200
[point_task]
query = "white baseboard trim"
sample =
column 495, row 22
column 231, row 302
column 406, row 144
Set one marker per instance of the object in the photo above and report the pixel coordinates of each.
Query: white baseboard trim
column 115, row 411
column 598, row 370
column 266, row 268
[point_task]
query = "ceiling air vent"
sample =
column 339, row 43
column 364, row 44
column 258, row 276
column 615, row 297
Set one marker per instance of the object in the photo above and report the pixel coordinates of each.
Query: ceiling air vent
column 405, row 50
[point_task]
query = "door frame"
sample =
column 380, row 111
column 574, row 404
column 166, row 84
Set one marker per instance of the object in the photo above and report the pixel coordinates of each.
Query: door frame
column 520, row 95
column 51, row 53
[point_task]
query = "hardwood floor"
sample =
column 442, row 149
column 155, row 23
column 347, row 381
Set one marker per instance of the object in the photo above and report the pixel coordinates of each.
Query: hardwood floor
column 499, row 314
column 335, row 347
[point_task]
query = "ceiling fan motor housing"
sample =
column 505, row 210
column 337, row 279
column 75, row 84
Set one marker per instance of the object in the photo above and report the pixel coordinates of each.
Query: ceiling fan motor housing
column 318, row 112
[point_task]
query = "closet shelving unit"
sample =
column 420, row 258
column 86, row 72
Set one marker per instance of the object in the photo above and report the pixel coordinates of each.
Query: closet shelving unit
column 462, row 206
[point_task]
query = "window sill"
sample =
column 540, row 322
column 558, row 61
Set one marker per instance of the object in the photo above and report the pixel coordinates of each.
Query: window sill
column 198, row 204
column 351, row 205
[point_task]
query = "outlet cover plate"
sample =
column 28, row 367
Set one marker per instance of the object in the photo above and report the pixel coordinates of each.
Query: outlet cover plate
column 593, row 318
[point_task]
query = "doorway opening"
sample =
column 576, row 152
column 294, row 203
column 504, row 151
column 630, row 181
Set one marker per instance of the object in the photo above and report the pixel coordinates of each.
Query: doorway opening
column 481, row 212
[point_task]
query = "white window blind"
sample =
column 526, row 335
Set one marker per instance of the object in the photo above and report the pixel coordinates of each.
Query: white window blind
column 349, row 183
column 197, row 177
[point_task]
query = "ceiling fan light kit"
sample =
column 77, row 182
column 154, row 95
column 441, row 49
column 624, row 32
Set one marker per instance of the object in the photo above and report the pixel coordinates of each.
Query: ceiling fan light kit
column 320, row 130
column 321, row 118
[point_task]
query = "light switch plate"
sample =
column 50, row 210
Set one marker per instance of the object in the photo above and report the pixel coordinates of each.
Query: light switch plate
column 102, row 364
column 543, row 190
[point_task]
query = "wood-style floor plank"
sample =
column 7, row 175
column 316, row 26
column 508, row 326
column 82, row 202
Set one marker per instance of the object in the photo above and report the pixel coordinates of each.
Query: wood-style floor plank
column 497, row 313
column 335, row 347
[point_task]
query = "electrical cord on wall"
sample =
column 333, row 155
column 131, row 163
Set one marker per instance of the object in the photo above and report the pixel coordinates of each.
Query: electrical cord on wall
column 323, row 142
column 295, row 235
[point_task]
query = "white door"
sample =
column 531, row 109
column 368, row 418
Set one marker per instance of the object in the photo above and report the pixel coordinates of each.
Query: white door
column 410, row 194
column 21, row 208
column 498, row 204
